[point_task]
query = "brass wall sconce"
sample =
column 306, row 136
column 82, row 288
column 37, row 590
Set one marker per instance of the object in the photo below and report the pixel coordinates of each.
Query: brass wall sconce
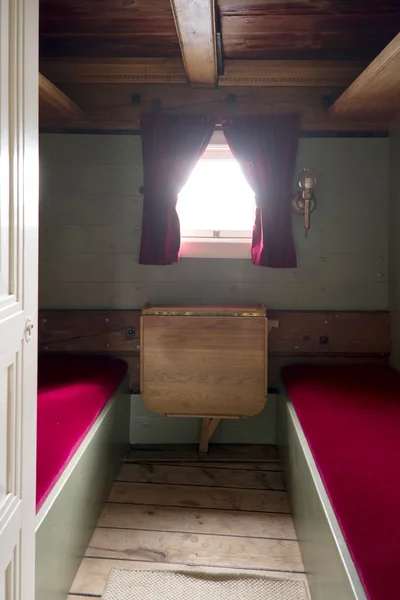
column 303, row 202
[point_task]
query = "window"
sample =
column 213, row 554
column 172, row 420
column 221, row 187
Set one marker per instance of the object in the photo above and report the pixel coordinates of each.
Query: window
column 216, row 207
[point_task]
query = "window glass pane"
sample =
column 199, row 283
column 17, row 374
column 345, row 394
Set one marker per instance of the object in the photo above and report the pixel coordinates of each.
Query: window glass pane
column 216, row 197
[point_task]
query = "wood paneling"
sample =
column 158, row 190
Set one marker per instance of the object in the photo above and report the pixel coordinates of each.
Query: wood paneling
column 299, row 332
column 298, row 7
column 107, row 28
column 310, row 336
column 394, row 244
column 90, row 215
column 250, row 29
column 260, row 73
column 109, row 107
column 376, row 91
column 304, row 30
column 319, row 333
column 94, row 332
column 90, row 331
column 117, row 45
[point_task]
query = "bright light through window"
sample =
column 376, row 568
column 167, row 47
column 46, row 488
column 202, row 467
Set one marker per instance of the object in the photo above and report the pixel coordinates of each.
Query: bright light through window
column 216, row 198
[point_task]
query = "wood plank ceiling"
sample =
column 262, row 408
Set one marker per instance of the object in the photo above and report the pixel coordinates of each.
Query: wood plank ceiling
column 278, row 55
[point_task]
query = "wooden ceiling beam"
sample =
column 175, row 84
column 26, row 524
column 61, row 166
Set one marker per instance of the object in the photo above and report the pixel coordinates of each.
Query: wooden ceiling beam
column 55, row 103
column 261, row 73
column 128, row 126
column 376, row 92
column 100, row 100
column 195, row 26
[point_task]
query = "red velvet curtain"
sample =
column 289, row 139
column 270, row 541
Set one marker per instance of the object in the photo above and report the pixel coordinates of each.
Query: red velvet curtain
column 265, row 147
column 172, row 145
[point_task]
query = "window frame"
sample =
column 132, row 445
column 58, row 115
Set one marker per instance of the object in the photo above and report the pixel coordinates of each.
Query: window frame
column 216, row 243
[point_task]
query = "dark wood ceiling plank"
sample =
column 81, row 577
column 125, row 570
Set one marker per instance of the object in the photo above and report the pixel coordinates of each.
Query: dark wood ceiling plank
column 296, row 7
column 113, row 25
column 102, row 10
column 251, row 29
column 302, row 46
column 110, row 46
column 268, row 35
column 105, row 17
column 365, row 23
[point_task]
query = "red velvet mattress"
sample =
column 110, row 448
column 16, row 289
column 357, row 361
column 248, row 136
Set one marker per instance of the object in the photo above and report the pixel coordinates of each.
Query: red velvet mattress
column 350, row 416
column 72, row 391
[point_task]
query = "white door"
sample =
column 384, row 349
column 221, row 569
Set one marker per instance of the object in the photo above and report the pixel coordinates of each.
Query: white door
column 18, row 294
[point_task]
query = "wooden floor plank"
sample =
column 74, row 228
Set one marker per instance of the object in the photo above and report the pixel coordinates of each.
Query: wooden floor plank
column 188, row 520
column 251, row 553
column 93, row 573
column 200, row 497
column 171, row 510
column 248, row 466
column 217, row 452
column 203, row 476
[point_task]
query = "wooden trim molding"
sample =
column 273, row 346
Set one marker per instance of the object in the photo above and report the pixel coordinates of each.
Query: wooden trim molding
column 195, row 26
column 289, row 73
column 54, row 99
column 254, row 73
column 376, row 91
column 114, row 70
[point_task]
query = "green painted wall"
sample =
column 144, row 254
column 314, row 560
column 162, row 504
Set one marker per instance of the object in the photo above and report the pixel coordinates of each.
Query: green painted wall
column 148, row 428
column 90, row 217
column 394, row 243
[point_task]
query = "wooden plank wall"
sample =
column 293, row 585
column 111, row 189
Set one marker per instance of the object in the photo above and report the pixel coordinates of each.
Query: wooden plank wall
column 302, row 336
column 394, row 243
column 90, row 222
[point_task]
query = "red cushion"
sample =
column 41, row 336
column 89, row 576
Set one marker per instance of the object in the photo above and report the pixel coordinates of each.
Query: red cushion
column 72, row 390
column 350, row 416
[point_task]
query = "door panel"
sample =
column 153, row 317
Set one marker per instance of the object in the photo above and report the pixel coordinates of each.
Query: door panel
column 18, row 294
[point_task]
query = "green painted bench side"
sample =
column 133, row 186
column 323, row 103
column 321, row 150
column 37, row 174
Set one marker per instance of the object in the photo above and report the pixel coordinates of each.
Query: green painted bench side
column 65, row 528
column 330, row 570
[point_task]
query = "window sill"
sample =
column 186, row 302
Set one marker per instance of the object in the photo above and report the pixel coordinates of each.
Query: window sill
column 215, row 248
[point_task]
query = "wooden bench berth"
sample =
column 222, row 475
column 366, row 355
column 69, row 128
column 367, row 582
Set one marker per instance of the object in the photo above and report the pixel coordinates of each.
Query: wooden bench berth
column 338, row 431
column 83, row 433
